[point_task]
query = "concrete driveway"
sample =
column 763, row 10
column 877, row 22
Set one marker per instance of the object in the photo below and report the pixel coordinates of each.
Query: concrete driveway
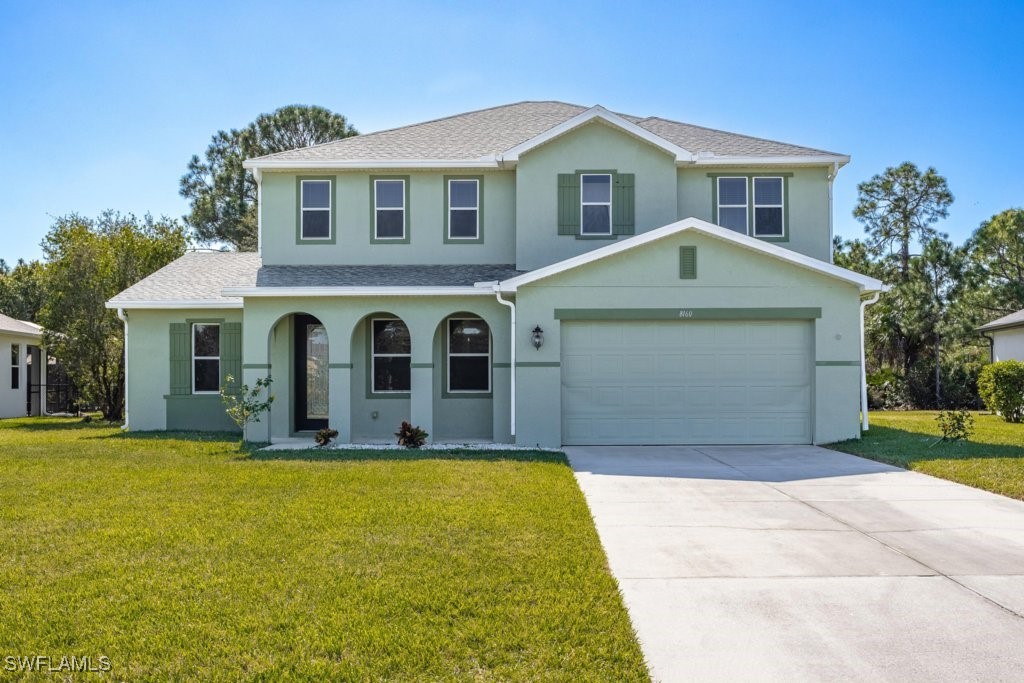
column 802, row 564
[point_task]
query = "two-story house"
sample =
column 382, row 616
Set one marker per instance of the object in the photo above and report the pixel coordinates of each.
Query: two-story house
column 537, row 273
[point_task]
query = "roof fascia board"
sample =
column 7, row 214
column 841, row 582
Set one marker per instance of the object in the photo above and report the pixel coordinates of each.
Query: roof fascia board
column 284, row 164
column 864, row 282
column 354, row 291
column 596, row 112
column 173, row 304
column 25, row 335
column 794, row 160
column 992, row 327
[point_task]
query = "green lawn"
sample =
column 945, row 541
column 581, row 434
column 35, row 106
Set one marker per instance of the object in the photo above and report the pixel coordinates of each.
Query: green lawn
column 180, row 558
column 992, row 460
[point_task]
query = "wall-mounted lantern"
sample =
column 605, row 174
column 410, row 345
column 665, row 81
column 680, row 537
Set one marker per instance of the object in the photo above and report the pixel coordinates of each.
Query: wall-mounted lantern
column 537, row 337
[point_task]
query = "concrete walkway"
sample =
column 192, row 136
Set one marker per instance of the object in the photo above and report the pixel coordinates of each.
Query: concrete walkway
column 803, row 564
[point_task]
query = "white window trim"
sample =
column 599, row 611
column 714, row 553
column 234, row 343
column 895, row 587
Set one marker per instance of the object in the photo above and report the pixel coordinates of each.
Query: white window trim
column 374, row 356
column 611, row 192
column 376, row 233
column 451, row 354
column 15, row 365
column 745, row 206
column 476, row 209
column 303, row 209
column 195, row 358
column 781, row 206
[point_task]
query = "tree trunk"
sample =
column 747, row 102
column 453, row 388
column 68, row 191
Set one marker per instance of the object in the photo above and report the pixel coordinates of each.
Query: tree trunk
column 938, row 372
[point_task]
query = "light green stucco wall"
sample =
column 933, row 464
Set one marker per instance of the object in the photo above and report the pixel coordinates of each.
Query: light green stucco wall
column 594, row 146
column 728, row 277
column 807, row 210
column 148, row 379
column 352, row 206
column 266, row 349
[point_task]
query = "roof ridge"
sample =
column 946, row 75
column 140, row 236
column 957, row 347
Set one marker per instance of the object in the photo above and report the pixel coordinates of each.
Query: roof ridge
column 729, row 132
column 423, row 123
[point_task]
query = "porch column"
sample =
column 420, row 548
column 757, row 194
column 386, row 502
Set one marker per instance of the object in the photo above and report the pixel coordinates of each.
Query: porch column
column 421, row 400
column 340, row 400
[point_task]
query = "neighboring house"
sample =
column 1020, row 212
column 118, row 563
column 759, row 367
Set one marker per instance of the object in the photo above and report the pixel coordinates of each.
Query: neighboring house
column 23, row 360
column 1007, row 335
column 539, row 272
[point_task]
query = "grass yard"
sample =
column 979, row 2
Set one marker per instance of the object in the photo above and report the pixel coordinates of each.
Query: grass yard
column 179, row 558
column 992, row 460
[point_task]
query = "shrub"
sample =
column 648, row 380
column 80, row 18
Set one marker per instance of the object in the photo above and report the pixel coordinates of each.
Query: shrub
column 244, row 405
column 956, row 425
column 411, row 437
column 1001, row 386
column 325, row 436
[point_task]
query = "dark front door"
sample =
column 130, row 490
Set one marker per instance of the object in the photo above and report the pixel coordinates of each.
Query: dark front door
column 311, row 374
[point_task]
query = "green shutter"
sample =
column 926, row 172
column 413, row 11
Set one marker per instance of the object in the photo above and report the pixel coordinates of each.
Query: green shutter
column 568, row 204
column 231, row 353
column 181, row 359
column 622, row 204
column 688, row 263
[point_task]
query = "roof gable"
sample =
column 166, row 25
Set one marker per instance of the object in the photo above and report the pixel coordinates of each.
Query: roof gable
column 864, row 282
column 596, row 113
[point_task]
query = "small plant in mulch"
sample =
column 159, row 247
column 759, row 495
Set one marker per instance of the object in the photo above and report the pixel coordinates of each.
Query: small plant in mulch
column 957, row 426
column 325, row 436
column 411, row 437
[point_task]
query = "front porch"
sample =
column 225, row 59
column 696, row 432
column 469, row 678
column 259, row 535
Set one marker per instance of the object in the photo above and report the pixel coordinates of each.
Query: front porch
column 362, row 365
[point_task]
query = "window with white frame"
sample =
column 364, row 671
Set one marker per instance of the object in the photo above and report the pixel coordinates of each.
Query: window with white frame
column 391, row 356
column 732, row 203
column 469, row 356
column 595, row 204
column 389, row 209
column 315, row 209
column 463, row 209
column 15, row 366
column 768, row 207
column 205, row 358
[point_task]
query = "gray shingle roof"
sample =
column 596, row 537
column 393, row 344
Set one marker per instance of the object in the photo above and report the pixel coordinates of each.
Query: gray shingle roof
column 196, row 277
column 1012, row 320
column 382, row 276
column 489, row 132
column 200, row 277
column 9, row 324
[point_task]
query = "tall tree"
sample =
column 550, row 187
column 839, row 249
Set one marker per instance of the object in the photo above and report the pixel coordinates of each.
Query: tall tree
column 223, row 194
column 88, row 262
column 900, row 206
column 997, row 252
column 22, row 289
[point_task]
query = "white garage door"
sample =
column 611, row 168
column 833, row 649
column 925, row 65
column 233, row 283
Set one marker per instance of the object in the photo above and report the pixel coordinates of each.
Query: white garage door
column 692, row 382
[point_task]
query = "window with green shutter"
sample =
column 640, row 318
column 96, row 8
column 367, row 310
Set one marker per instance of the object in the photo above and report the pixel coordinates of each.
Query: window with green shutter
column 203, row 354
column 579, row 211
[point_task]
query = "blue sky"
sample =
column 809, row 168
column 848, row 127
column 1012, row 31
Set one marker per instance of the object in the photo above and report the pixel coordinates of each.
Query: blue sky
column 102, row 104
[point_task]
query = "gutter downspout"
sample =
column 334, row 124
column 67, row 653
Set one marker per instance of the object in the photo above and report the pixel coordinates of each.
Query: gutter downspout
column 123, row 317
column 831, row 177
column 512, row 356
column 864, row 364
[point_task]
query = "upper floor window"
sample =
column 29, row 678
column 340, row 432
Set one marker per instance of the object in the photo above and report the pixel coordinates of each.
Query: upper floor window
column 595, row 204
column 768, row 207
column 389, row 209
column 315, row 209
column 463, row 209
column 391, row 356
column 732, row 204
column 469, row 356
column 15, row 366
column 205, row 358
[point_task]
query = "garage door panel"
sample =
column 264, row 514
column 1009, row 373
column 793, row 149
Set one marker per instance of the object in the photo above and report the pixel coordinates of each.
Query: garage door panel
column 686, row 382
